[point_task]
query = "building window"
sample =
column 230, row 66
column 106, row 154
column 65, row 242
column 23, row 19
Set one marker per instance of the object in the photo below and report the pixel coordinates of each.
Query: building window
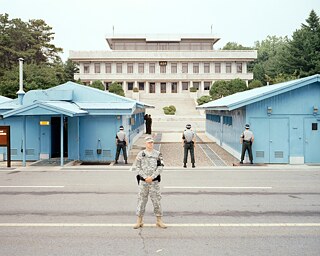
column 130, row 86
column 185, row 86
column 152, row 68
column 228, row 67
column 86, row 68
column 196, row 85
column 227, row 120
column 141, row 68
column 217, row 67
column 96, row 67
column 119, row 67
column 162, row 69
column 239, row 67
column 108, row 67
column 195, row 68
column 130, row 68
column 185, row 68
column 173, row 68
column 206, row 68
column 213, row 118
column 163, row 87
column 206, row 86
column 141, row 86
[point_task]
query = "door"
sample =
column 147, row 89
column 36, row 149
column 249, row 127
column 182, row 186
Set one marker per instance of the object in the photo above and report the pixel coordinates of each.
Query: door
column 311, row 140
column 55, row 137
column 260, row 146
column 279, row 140
column 152, row 87
column 174, row 88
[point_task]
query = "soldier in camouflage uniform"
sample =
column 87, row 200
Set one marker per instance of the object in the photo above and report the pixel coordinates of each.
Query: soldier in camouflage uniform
column 149, row 164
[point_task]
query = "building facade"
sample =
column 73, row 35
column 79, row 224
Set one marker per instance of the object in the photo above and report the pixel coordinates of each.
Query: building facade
column 284, row 118
column 162, row 64
column 70, row 121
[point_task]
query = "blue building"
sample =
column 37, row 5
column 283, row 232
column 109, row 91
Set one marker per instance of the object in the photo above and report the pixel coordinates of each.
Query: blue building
column 284, row 118
column 70, row 120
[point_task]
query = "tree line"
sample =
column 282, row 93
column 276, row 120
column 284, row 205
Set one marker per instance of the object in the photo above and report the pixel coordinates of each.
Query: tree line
column 279, row 58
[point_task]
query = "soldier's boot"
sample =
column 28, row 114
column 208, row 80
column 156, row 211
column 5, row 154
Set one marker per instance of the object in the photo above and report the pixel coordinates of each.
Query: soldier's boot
column 184, row 166
column 193, row 165
column 160, row 224
column 139, row 223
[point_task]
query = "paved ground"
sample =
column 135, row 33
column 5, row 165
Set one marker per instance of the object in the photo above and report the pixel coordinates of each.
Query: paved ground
column 90, row 210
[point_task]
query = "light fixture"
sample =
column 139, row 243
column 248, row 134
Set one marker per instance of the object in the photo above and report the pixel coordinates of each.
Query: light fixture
column 315, row 110
column 269, row 110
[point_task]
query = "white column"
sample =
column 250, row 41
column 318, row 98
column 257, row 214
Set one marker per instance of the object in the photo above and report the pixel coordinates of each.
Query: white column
column 146, row 88
column 190, row 84
column 135, row 84
column 179, row 86
column 201, row 89
column 124, row 86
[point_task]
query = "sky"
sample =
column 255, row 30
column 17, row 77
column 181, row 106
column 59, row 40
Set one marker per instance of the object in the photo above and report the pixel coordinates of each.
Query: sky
column 84, row 25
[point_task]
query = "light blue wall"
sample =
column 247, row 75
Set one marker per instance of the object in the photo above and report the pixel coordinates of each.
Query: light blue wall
column 279, row 136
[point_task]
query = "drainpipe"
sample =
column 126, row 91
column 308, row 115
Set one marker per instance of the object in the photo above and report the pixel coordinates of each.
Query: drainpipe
column 20, row 93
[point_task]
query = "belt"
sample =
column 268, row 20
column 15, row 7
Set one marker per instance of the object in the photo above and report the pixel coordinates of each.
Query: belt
column 247, row 141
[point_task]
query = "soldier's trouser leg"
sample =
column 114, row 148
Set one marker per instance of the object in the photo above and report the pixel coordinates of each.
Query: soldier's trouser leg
column 142, row 198
column 118, row 152
column 185, row 158
column 250, row 152
column 124, row 151
column 155, row 196
column 192, row 153
column 243, row 151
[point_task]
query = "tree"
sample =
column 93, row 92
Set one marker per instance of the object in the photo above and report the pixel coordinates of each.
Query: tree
column 255, row 84
column 219, row 89
column 35, row 77
column 98, row 85
column 235, row 46
column 237, row 85
column 302, row 55
column 116, row 89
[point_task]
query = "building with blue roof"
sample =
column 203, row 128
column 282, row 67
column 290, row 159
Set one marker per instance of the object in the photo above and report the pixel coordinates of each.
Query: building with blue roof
column 70, row 120
column 283, row 117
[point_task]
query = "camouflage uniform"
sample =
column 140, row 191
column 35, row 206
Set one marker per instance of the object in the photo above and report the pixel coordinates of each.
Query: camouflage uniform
column 147, row 167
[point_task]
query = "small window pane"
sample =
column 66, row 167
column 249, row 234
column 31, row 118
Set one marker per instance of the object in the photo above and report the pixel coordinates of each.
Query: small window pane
column 314, row 126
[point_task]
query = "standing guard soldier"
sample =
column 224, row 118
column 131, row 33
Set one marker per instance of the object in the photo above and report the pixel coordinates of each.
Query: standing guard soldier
column 149, row 164
column 188, row 142
column 121, row 142
column 246, row 139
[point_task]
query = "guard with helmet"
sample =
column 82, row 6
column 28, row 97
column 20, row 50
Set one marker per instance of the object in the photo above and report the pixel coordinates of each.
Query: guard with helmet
column 188, row 142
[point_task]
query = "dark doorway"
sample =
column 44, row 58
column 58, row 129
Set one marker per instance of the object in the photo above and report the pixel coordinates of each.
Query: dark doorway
column 55, row 136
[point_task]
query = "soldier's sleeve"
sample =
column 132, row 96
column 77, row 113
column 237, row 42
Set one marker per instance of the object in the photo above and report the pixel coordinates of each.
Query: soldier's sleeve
column 159, row 168
column 139, row 168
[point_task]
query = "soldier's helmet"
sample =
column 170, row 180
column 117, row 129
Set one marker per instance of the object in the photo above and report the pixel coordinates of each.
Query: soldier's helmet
column 121, row 127
column 188, row 126
column 247, row 126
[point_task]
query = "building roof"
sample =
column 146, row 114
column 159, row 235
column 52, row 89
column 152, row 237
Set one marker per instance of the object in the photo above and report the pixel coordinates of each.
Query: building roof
column 241, row 99
column 4, row 99
column 71, row 99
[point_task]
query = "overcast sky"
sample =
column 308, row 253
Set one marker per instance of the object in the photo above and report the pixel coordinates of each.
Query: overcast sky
column 84, row 24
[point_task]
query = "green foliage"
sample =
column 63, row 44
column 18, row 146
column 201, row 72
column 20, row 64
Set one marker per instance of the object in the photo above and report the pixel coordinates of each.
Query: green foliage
column 219, row 89
column 204, row 99
column 255, row 84
column 35, row 77
column 116, row 89
column 171, row 110
column 135, row 89
column 237, row 85
column 193, row 89
column 98, row 85
column 280, row 78
column 235, row 46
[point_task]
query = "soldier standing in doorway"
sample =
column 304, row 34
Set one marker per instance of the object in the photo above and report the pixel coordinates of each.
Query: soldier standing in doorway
column 246, row 139
column 145, row 119
column 188, row 142
column 149, row 164
column 121, row 142
column 149, row 124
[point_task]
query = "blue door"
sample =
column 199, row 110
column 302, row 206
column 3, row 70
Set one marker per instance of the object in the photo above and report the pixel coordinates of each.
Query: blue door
column 260, row 147
column 311, row 140
column 279, row 140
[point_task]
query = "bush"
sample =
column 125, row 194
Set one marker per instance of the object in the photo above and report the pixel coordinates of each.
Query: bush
column 116, row 89
column 193, row 89
column 204, row 99
column 171, row 110
column 255, row 84
column 98, row 85
column 135, row 89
